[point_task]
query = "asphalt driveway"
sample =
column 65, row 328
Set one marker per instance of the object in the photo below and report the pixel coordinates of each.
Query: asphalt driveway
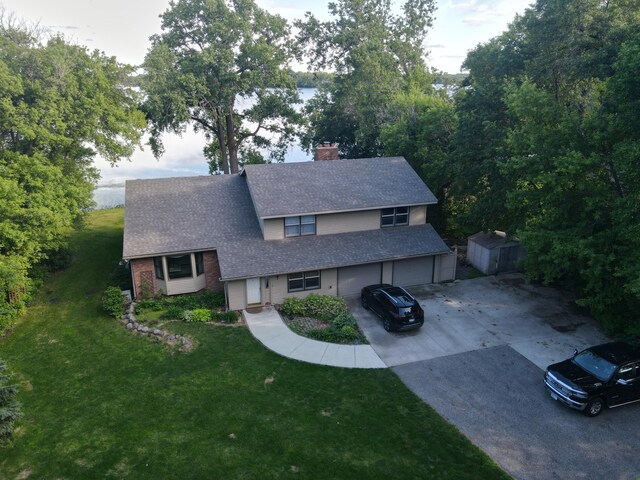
column 479, row 360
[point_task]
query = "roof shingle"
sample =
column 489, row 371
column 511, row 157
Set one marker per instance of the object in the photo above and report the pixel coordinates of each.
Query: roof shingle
column 329, row 186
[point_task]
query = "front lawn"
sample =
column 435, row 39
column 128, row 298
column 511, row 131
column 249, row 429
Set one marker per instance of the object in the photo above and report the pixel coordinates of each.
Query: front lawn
column 100, row 402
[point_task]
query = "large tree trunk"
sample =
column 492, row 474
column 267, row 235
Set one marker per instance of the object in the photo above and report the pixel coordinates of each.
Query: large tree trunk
column 232, row 142
column 220, row 133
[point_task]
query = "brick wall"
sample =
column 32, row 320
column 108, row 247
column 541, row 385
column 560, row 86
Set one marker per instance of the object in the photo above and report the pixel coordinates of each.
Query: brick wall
column 212, row 272
column 142, row 272
column 327, row 151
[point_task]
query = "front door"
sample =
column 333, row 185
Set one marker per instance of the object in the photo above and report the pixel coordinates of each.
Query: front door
column 253, row 291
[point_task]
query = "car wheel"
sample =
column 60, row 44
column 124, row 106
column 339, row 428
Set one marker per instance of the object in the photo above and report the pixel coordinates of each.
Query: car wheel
column 365, row 305
column 387, row 324
column 594, row 407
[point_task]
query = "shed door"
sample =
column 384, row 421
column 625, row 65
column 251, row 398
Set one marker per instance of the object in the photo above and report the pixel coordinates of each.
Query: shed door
column 508, row 259
column 352, row 279
column 413, row 271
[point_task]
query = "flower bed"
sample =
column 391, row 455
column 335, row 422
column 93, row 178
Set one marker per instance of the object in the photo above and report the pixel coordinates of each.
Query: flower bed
column 322, row 317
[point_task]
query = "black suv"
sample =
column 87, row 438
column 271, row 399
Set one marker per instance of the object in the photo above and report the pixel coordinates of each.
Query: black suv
column 394, row 305
column 606, row 375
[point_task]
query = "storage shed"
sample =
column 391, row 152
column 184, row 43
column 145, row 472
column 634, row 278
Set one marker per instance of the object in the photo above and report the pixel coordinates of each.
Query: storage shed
column 493, row 252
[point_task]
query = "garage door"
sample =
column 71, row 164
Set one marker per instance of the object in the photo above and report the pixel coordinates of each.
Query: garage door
column 413, row 271
column 352, row 279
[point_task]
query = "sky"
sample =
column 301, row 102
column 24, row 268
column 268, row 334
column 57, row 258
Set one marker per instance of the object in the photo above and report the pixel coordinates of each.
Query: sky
column 122, row 28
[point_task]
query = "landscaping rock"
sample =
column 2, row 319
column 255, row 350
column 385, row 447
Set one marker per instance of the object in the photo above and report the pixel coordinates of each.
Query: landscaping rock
column 129, row 326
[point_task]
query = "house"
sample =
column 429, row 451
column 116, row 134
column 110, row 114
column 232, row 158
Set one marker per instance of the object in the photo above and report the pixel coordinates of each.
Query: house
column 493, row 252
column 280, row 230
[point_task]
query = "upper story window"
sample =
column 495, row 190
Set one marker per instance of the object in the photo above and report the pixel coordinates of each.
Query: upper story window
column 392, row 217
column 296, row 226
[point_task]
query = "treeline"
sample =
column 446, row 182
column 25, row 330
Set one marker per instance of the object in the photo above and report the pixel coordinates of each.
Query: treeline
column 59, row 105
column 312, row 79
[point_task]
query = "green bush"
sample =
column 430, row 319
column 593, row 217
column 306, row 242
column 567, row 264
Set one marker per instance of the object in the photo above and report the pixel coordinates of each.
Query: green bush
column 173, row 312
column 225, row 317
column 113, row 301
column 205, row 299
column 344, row 320
column 322, row 307
column 197, row 315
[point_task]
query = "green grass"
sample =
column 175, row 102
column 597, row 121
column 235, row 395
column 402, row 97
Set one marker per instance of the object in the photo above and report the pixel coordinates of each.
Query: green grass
column 102, row 403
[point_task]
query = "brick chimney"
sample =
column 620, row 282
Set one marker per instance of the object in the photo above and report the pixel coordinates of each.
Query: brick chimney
column 326, row 151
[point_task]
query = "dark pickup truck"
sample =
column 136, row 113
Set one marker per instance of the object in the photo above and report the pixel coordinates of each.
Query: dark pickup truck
column 606, row 375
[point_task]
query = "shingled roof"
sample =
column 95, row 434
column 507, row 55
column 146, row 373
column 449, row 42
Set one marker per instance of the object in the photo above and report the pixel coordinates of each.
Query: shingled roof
column 187, row 214
column 320, row 187
column 254, row 258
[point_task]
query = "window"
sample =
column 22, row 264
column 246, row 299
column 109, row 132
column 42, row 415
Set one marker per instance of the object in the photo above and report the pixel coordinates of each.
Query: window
column 391, row 217
column 296, row 226
column 304, row 281
column 199, row 263
column 179, row 266
column 157, row 265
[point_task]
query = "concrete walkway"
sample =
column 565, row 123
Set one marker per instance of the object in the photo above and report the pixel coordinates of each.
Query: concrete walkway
column 270, row 330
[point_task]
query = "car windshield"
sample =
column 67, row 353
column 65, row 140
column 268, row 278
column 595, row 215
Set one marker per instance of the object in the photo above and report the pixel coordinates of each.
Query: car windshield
column 597, row 366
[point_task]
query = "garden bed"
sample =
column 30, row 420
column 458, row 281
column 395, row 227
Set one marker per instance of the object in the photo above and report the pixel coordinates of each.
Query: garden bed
column 322, row 317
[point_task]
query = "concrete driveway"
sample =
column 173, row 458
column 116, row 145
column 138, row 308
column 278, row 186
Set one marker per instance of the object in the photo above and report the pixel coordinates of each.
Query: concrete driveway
column 469, row 315
column 478, row 361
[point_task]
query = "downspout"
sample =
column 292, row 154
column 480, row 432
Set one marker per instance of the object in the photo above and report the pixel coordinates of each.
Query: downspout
column 226, row 299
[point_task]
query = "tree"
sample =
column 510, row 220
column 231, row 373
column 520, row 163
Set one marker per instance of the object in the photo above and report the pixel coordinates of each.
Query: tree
column 421, row 130
column 212, row 55
column 546, row 147
column 9, row 406
column 60, row 105
column 375, row 53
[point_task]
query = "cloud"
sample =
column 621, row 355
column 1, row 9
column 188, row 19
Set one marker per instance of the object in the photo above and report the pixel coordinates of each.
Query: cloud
column 435, row 45
column 478, row 21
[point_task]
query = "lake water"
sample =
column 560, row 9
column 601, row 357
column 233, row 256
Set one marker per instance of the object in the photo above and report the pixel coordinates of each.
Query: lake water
column 182, row 158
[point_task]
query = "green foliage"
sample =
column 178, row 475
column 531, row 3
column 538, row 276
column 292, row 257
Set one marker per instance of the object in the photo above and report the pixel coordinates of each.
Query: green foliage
column 172, row 312
column 225, row 317
column 375, row 53
column 113, row 301
column 10, row 410
column 322, row 307
column 239, row 51
column 197, row 315
column 60, row 106
column 421, row 129
column 312, row 79
column 15, row 288
column 547, row 147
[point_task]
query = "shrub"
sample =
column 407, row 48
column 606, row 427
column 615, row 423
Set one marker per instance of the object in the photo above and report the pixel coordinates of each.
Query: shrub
column 293, row 307
column 344, row 320
column 121, row 275
column 205, row 299
column 197, row 315
column 9, row 406
column 173, row 312
column 113, row 301
column 225, row 317
column 322, row 307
